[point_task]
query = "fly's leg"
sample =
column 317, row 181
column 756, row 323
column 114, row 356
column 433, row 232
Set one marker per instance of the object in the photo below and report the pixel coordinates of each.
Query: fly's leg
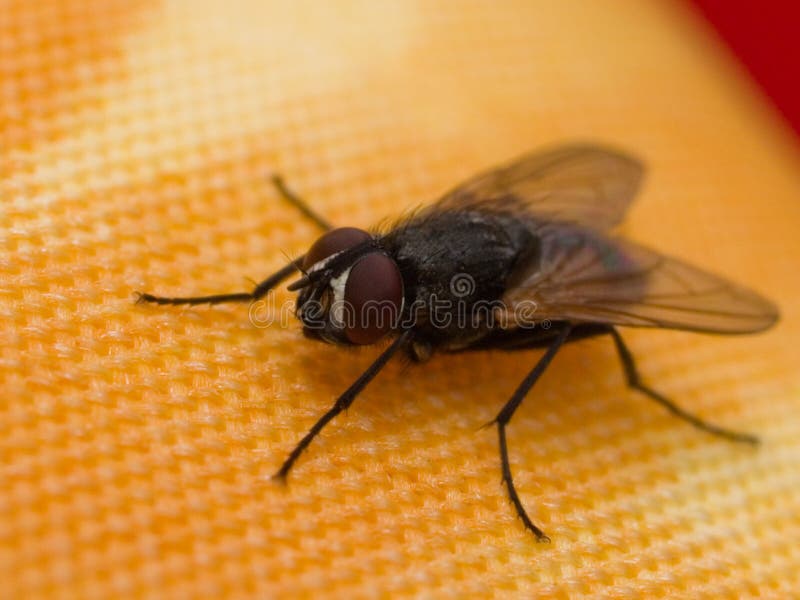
column 265, row 286
column 504, row 416
column 342, row 403
column 299, row 203
column 258, row 292
column 634, row 381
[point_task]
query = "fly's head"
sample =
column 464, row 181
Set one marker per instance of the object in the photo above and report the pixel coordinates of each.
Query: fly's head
column 351, row 292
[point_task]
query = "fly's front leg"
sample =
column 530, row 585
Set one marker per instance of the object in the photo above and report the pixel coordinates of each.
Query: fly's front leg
column 258, row 292
column 263, row 288
column 299, row 203
column 342, row 403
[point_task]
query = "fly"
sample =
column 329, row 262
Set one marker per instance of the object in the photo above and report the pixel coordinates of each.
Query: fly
column 521, row 256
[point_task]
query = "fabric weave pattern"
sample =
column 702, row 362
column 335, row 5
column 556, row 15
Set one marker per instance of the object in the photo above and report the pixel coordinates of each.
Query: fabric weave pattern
column 137, row 442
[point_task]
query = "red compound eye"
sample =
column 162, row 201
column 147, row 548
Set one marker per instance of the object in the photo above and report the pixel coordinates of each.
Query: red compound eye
column 332, row 242
column 373, row 295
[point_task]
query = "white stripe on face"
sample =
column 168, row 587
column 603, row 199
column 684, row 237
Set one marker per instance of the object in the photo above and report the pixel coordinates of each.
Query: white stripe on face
column 337, row 285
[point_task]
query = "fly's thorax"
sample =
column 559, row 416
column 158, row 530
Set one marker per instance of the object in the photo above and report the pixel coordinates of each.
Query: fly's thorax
column 456, row 267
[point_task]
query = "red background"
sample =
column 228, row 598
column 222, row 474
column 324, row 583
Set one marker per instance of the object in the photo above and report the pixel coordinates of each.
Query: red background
column 766, row 38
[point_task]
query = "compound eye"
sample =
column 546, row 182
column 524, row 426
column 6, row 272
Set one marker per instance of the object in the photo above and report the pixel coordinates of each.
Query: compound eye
column 332, row 242
column 373, row 296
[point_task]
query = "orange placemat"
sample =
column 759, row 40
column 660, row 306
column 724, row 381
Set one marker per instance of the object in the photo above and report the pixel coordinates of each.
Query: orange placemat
column 137, row 443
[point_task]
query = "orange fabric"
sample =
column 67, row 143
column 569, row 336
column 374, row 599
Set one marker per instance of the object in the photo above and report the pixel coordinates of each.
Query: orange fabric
column 137, row 442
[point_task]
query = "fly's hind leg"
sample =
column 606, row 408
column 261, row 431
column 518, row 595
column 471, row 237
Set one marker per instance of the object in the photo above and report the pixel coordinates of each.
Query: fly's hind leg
column 634, row 381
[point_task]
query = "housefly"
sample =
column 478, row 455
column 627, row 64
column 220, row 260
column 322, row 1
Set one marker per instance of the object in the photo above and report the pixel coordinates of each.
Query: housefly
column 521, row 256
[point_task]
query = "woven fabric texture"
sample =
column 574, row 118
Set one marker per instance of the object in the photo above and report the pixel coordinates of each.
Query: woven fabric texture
column 137, row 443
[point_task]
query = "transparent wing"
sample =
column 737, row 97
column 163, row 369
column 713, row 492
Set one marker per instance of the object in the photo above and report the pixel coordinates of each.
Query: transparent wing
column 582, row 184
column 584, row 276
